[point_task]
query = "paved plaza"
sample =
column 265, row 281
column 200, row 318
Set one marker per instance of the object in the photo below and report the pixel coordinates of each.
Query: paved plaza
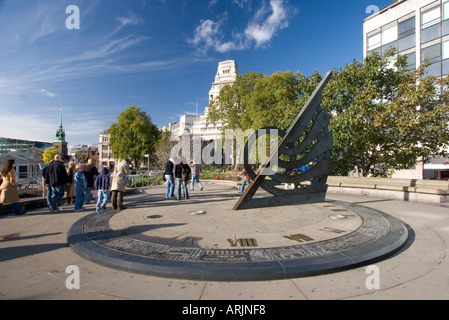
column 35, row 258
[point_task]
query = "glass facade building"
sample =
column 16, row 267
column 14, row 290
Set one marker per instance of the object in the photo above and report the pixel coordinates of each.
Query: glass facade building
column 8, row 144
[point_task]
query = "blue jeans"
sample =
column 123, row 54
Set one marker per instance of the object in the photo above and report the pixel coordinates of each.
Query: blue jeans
column 102, row 199
column 56, row 195
column 16, row 208
column 242, row 188
column 79, row 200
column 196, row 177
column 170, row 188
column 179, row 182
column 48, row 196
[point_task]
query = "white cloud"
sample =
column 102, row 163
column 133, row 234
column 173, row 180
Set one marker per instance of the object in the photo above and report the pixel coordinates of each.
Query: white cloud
column 23, row 126
column 48, row 93
column 131, row 19
column 262, row 27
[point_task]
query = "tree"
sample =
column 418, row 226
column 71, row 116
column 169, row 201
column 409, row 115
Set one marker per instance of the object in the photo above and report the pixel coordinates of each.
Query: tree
column 49, row 154
column 80, row 157
column 384, row 116
column 162, row 150
column 255, row 100
column 133, row 135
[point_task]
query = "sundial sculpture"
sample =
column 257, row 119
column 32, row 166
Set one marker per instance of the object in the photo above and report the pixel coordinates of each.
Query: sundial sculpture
column 297, row 245
column 306, row 144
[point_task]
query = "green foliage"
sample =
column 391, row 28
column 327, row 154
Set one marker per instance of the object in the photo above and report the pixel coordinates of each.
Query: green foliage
column 385, row 117
column 133, row 136
column 49, row 154
column 255, row 100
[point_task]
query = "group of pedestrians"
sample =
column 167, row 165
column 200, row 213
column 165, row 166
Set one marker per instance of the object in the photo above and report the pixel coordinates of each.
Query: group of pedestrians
column 78, row 183
column 178, row 169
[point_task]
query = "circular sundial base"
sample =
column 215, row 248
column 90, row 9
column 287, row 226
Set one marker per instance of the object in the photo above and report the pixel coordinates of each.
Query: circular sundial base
column 220, row 244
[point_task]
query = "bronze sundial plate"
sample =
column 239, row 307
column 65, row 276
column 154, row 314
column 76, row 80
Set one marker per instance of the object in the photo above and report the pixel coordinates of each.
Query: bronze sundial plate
column 210, row 241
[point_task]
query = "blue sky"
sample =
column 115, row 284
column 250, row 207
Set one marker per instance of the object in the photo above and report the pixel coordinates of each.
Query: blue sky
column 160, row 55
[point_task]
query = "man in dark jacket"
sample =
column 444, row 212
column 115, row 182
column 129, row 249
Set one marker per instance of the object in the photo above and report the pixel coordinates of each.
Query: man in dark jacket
column 91, row 173
column 56, row 177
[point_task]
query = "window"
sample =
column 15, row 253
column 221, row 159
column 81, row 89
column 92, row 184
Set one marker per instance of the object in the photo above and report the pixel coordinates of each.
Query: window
column 430, row 24
column 445, row 53
column 445, row 9
column 389, row 35
column 411, row 61
column 407, row 34
column 433, row 54
column 389, row 38
column 445, row 13
column 430, row 17
column 445, row 57
column 23, row 172
column 374, row 42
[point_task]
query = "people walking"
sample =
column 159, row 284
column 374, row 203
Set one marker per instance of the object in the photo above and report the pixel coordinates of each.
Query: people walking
column 56, row 177
column 91, row 172
column 246, row 180
column 102, row 185
column 80, row 187
column 9, row 191
column 119, row 182
column 169, row 178
column 182, row 175
column 70, row 185
column 196, row 172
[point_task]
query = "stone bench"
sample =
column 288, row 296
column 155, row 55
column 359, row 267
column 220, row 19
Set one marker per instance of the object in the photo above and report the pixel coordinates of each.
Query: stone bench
column 408, row 188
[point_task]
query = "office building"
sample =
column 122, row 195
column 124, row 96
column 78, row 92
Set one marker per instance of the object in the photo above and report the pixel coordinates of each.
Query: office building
column 418, row 29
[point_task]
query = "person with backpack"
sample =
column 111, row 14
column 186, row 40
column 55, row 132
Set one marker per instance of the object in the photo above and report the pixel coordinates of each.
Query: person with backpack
column 182, row 175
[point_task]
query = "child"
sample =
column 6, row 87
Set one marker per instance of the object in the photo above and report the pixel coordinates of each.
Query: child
column 102, row 185
column 80, row 187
